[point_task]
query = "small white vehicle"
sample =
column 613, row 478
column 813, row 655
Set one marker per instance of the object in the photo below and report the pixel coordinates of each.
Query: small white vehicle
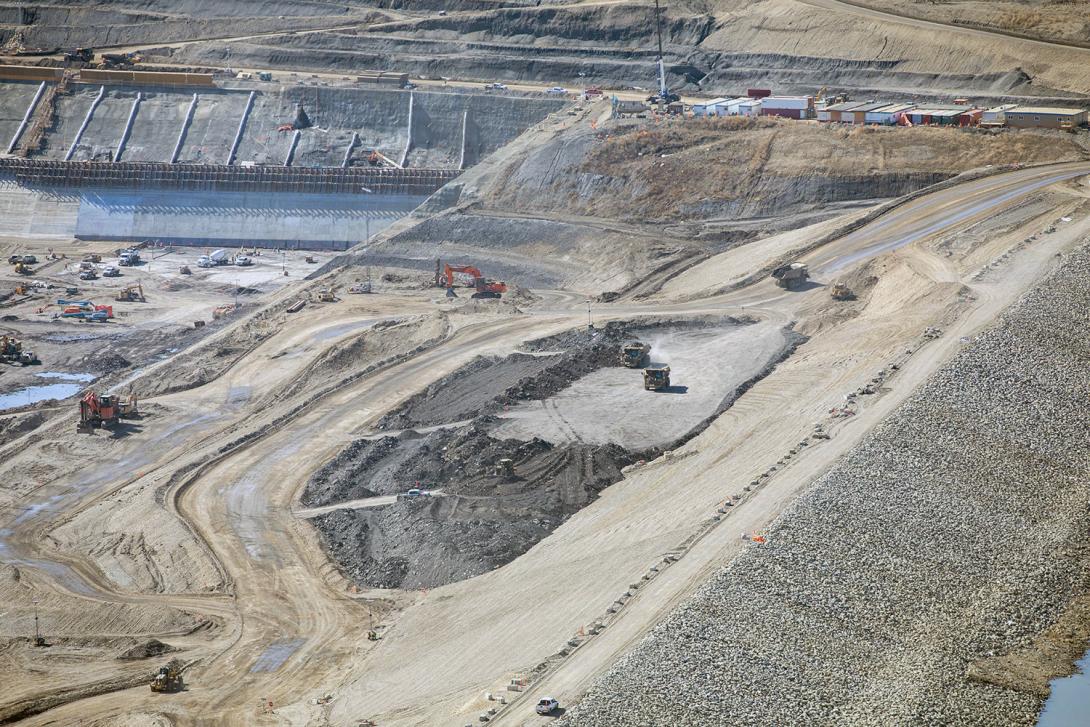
column 547, row 705
column 557, row 91
column 110, row 272
column 243, row 260
column 417, row 492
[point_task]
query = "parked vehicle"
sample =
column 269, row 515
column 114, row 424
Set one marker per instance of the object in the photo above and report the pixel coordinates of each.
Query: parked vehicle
column 547, row 705
column 111, row 272
column 243, row 260
column 557, row 91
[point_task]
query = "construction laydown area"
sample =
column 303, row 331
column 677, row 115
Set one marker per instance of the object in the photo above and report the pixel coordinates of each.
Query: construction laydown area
column 330, row 403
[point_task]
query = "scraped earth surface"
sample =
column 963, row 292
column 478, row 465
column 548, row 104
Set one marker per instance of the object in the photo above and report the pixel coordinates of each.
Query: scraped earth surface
column 611, row 406
column 480, row 518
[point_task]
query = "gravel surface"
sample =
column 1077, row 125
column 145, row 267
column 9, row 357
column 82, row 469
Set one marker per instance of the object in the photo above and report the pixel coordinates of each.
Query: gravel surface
column 482, row 520
column 953, row 532
column 706, row 365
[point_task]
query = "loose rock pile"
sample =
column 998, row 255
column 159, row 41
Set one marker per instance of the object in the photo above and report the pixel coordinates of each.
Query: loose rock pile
column 953, row 532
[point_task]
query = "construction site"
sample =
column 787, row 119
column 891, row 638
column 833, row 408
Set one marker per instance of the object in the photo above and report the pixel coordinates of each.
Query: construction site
column 448, row 394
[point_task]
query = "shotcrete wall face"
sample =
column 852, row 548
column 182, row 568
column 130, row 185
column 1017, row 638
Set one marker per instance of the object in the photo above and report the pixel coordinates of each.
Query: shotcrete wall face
column 379, row 117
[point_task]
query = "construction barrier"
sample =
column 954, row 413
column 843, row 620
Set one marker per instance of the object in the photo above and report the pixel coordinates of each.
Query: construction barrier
column 30, row 73
column 217, row 177
column 147, row 78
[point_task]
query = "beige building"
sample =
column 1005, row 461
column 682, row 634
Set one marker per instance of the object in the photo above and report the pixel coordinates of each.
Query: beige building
column 1043, row 117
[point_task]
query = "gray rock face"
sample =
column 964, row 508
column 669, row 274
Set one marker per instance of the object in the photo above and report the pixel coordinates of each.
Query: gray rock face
column 954, row 531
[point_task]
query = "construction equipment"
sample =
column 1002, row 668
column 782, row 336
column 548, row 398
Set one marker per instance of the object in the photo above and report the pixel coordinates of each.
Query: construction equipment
column 169, row 678
column 840, row 291
column 97, row 411
column 505, row 468
column 792, row 276
column 485, row 288
column 92, row 257
column 132, row 293
column 129, row 258
column 310, row 259
column 23, row 269
column 664, row 96
column 328, row 295
column 635, row 354
column 373, row 158
column 79, row 55
column 11, row 351
column 656, row 378
column 184, row 270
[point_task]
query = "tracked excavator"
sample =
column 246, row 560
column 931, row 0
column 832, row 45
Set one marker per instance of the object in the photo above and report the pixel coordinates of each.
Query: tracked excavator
column 485, row 288
column 104, row 411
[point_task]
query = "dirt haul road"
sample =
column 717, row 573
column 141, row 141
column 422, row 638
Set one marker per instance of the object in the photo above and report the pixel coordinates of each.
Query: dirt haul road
column 296, row 631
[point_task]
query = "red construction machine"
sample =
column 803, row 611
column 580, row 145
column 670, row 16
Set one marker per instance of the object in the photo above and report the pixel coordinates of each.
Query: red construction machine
column 103, row 411
column 485, row 288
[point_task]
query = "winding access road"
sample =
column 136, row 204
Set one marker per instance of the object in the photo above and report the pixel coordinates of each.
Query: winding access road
column 294, row 631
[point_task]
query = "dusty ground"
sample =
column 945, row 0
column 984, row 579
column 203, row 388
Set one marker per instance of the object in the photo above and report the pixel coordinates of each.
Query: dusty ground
column 191, row 524
column 259, row 542
column 1063, row 21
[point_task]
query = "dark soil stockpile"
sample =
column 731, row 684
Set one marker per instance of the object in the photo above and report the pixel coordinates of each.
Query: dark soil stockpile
column 479, row 518
column 482, row 521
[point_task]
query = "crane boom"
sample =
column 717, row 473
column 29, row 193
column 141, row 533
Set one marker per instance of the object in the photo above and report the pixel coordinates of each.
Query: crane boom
column 658, row 34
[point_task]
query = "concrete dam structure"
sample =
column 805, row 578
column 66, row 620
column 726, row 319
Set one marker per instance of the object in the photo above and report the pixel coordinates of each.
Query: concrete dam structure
column 267, row 164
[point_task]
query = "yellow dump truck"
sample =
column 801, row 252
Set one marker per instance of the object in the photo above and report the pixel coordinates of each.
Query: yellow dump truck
column 635, row 354
column 656, row 378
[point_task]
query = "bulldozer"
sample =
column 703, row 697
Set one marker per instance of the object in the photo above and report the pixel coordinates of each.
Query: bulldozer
column 132, row 293
column 169, row 678
column 792, row 276
column 11, row 351
column 840, row 291
column 328, row 295
column 656, row 378
column 635, row 354
column 23, row 269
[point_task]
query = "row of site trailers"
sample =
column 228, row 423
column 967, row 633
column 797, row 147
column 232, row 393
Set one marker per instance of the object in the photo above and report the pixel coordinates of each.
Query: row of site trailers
column 960, row 113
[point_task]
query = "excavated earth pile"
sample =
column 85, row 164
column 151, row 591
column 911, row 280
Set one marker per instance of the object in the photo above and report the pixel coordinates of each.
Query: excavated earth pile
column 479, row 517
column 949, row 539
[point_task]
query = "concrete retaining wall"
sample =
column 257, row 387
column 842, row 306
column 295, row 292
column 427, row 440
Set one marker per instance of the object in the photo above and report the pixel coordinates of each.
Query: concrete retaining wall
column 303, row 221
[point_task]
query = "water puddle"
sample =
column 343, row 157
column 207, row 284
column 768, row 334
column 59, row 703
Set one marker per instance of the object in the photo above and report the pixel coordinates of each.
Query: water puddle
column 85, row 378
column 340, row 329
column 1069, row 703
column 276, row 654
column 71, row 384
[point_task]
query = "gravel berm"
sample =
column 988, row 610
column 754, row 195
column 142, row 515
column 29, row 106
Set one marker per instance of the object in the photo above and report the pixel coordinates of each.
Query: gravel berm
column 955, row 531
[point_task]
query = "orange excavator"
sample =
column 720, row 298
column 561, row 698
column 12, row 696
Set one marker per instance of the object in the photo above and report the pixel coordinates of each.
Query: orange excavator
column 103, row 411
column 485, row 288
